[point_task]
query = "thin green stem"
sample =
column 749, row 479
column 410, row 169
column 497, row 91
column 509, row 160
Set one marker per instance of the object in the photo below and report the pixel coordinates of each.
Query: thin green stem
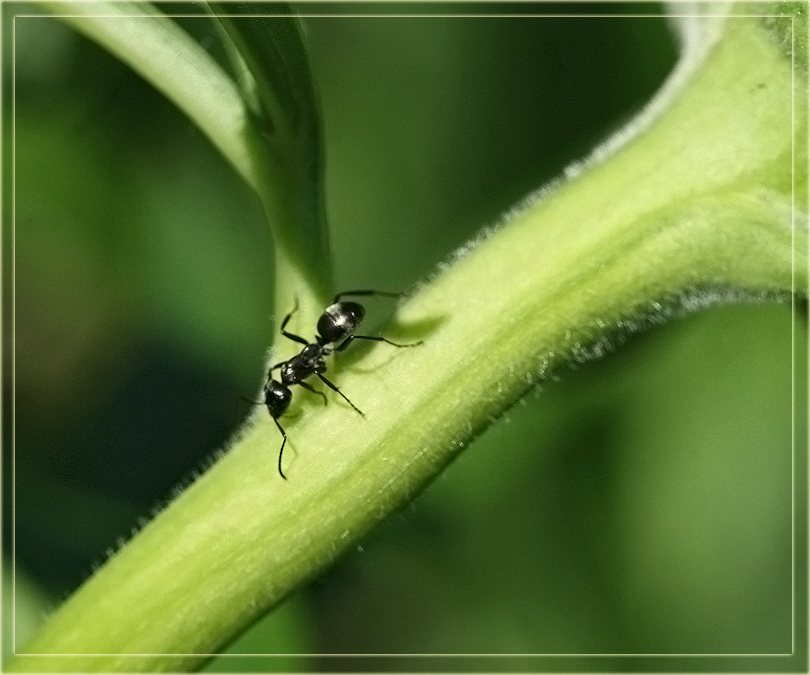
column 154, row 46
column 165, row 55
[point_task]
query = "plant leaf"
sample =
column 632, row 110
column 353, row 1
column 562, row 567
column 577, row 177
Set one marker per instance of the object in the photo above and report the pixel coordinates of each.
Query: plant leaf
column 273, row 70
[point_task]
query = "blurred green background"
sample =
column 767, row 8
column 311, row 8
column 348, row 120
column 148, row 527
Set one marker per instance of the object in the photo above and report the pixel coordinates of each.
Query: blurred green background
column 641, row 504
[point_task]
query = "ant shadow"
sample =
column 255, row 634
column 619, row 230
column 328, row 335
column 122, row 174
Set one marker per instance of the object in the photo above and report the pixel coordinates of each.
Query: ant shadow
column 412, row 334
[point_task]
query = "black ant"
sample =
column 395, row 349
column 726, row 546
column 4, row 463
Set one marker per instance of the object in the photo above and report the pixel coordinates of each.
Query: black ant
column 336, row 328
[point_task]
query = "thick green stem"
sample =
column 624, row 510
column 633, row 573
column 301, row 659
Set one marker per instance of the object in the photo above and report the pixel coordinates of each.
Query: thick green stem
column 696, row 206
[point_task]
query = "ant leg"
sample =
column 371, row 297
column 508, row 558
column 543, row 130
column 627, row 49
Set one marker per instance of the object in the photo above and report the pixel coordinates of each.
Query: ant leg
column 309, row 387
column 376, row 338
column 288, row 335
column 281, row 449
column 334, row 388
column 387, row 294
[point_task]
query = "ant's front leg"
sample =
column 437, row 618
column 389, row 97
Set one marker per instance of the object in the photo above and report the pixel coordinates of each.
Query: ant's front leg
column 288, row 335
column 333, row 387
column 309, row 387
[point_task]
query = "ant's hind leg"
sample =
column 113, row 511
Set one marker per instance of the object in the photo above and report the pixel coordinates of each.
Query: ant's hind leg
column 376, row 338
column 387, row 294
column 334, row 388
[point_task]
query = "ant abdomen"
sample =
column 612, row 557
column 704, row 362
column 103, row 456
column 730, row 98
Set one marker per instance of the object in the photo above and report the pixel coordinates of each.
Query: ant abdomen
column 338, row 321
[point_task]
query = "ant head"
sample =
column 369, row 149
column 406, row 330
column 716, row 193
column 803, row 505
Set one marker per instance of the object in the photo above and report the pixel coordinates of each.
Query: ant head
column 277, row 397
column 339, row 321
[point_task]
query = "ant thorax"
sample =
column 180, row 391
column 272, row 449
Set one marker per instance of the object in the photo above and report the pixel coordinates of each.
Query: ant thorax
column 306, row 363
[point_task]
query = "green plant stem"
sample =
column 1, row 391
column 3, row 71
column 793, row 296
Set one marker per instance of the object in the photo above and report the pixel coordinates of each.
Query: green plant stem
column 698, row 204
column 155, row 47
